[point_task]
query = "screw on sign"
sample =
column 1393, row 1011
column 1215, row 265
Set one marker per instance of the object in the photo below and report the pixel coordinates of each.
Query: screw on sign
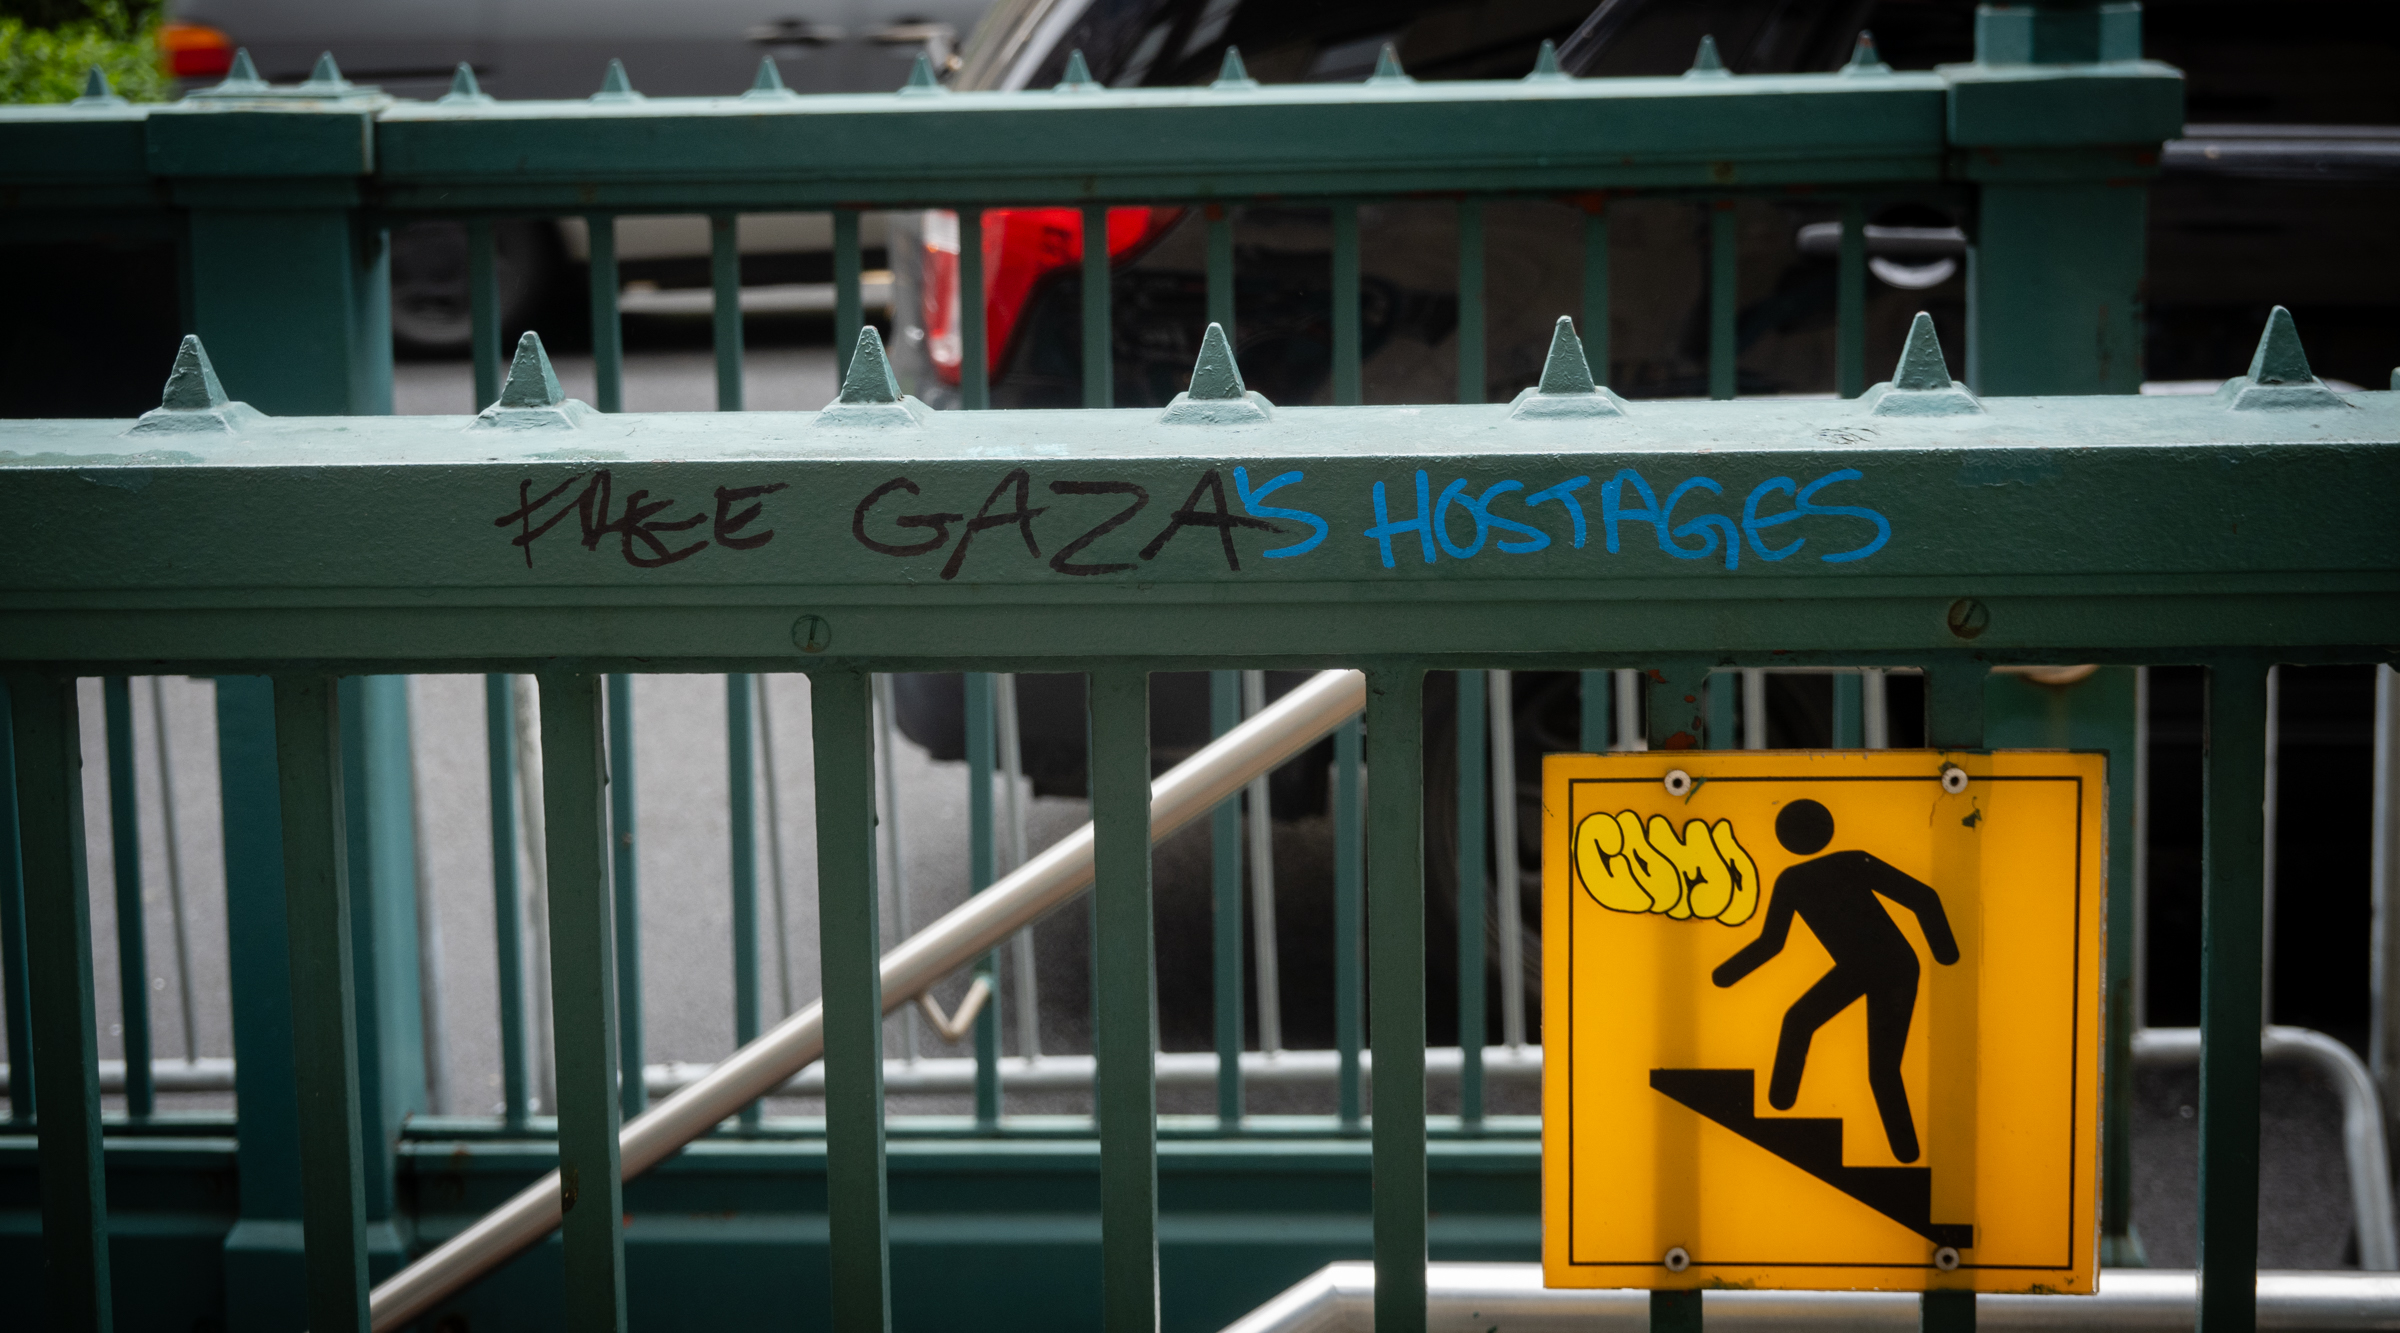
column 1822, row 1020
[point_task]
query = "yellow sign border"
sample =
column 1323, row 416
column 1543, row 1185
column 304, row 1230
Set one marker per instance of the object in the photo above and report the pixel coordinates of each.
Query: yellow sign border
column 2079, row 1270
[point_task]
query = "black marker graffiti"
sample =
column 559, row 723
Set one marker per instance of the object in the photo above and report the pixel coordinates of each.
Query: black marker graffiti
column 638, row 522
column 984, row 520
column 1063, row 561
column 940, row 523
column 1222, row 519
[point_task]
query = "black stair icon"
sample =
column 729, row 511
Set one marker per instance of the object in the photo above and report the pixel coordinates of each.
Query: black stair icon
column 1729, row 1097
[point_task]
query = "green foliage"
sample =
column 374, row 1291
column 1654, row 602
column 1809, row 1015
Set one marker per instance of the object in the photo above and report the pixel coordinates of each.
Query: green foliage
column 48, row 48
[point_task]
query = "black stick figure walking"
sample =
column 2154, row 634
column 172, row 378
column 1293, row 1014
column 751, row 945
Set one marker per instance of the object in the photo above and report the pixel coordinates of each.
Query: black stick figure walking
column 1835, row 894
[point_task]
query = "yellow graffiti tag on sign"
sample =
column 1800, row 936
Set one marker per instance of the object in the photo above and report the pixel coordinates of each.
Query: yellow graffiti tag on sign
column 1822, row 1020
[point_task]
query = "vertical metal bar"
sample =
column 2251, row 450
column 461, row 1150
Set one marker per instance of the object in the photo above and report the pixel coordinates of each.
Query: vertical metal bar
column 1347, row 384
column 1629, row 711
column 172, row 844
column 1126, row 1091
column 887, row 823
column 608, row 333
column 1396, row 989
column 725, row 306
column 1099, row 361
column 1349, row 914
column 1012, row 786
column 975, row 358
column 1594, row 691
column 1848, row 733
column 57, row 999
column 2266, row 871
column 768, row 770
column 1722, row 686
column 2233, row 867
column 1850, row 304
column 635, row 1098
column 1946, row 1312
column 1754, row 709
column 483, row 312
column 535, row 900
column 13, row 961
column 1504, row 858
column 1470, row 301
column 125, row 844
column 583, row 1003
column 500, row 740
column 741, row 811
column 1225, row 868
column 1874, row 709
column 2141, row 834
column 317, row 910
column 2383, row 871
column 849, row 311
column 849, row 947
column 1675, row 1312
column 1472, row 702
column 1723, row 297
column 1954, row 720
column 983, row 868
column 1265, row 925
column 1595, row 287
column 430, row 957
column 1220, row 267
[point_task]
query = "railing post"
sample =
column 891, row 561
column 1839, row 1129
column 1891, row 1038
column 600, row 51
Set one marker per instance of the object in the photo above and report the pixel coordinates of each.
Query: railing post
column 1724, row 299
column 508, row 909
column 1125, row 1093
column 608, row 329
column 1220, row 268
column 125, row 844
column 725, row 306
column 1099, row 361
column 1471, row 755
column 58, row 930
column 379, row 828
column 1471, row 363
column 848, row 302
column 1347, row 386
column 974, row 329
column 623, row 867
column 13, row 962
column 983, row 868
column 2233, row 864
column 849, row 945
column 1349, row 915
column 1594, row 691
column 1225, row 868
column 583, row 1000
column 1850, row 303
column 1674, row 719
column 1595, row 285
column 318, row 910
column 741, row 811
column 290, row 285
column 1954, row 720
column 265, row 1272
column 2383, row 869
column 1396, row 990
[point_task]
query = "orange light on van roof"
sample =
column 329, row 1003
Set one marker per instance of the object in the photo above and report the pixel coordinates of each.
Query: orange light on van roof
column 194, row 50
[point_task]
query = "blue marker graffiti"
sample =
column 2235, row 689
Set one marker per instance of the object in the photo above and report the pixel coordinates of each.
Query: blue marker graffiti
column 1250, row 502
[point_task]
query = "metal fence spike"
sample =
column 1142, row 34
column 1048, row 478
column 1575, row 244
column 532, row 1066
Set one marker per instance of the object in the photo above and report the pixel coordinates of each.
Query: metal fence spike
column 1566, row 370
column 96, row 91
column 770, row 79
column 920, row 77
column 2279, row 375
column 1863, row 57
column 192, row 385
column 463, row 87
column 1078, row 77
column 1920, row 385
column 1705, row 63
column 1921, row 366
column 1233, row 73
column 1387, row 67
column 870, row 379
column 1217, row 395
column 1214, row 374
column 1567, row 389
column 615, row 87
column 531, row 382
column 242, row 75
column 1545, row 64
column 2279, row 359
column 326, row 76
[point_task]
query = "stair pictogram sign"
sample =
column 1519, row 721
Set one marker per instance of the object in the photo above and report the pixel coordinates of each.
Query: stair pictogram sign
column 1903, row 948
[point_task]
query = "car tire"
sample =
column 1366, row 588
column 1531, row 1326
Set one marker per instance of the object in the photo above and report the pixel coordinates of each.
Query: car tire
column 429, row 281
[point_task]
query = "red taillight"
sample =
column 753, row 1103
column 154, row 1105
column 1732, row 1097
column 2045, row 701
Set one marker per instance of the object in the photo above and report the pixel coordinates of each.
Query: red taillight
column 1020, row 245
column 194, row 51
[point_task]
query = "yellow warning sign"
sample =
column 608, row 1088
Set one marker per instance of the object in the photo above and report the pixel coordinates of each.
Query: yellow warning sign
column 1822, row 1020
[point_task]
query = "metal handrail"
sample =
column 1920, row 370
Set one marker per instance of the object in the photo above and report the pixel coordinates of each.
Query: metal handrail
column 1340, row 1298
column 1185, row 793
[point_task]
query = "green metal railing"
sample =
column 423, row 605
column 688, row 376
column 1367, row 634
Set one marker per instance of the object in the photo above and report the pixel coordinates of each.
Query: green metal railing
column 279, row 199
